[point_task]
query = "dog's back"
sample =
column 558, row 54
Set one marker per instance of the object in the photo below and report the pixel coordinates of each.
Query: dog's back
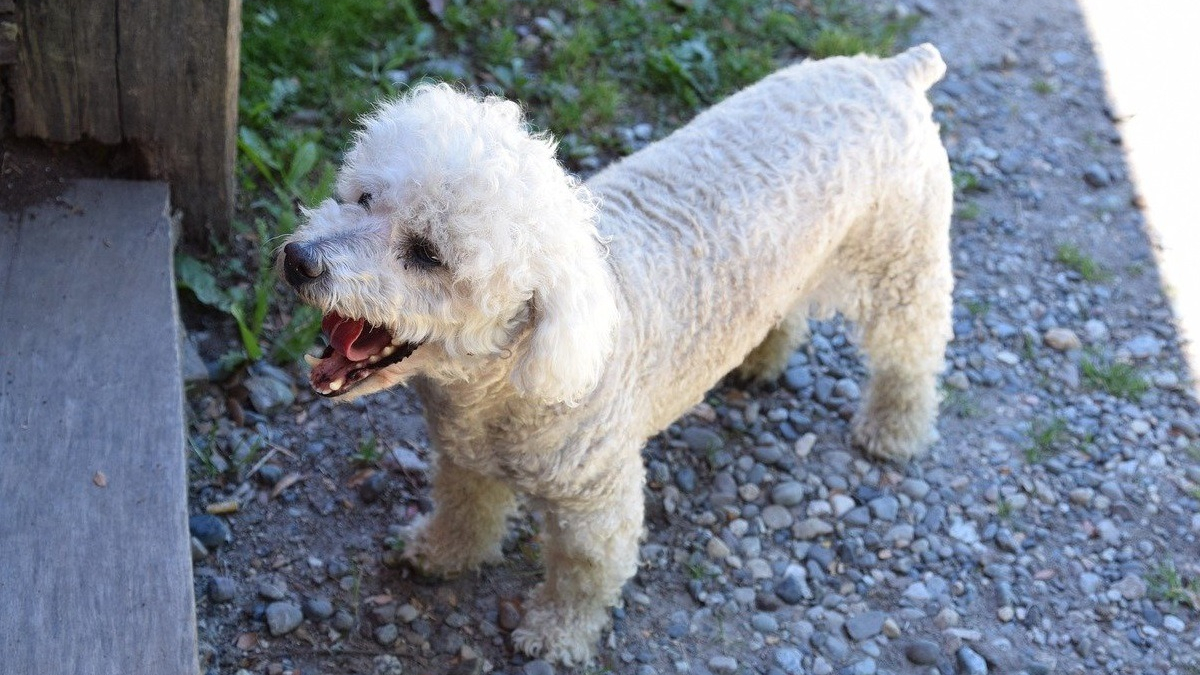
column 732, row 219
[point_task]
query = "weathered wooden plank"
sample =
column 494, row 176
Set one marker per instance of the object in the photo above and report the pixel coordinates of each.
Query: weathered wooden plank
column 93, row 540
column 8, row 33
column 66, row 85
column 179, row 75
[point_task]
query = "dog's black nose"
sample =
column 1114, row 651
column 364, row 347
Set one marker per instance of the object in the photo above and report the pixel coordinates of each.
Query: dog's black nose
column 301, row 264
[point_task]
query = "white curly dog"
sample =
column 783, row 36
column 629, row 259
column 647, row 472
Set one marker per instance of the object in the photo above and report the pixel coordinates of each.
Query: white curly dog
column 551, row 327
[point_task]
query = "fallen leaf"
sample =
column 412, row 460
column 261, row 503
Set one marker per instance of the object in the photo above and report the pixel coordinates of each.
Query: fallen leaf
column 100, row 479
column 1043, row 575
column 247, row 641
column 285, row 483
column 381, row 599
column 222, row 508
column 359, row 477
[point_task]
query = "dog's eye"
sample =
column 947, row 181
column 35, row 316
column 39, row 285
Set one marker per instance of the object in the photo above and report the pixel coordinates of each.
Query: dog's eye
column 422, row 254
column 365, row 200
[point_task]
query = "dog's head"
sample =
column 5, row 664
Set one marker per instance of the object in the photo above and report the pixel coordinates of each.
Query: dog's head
column 456, row 245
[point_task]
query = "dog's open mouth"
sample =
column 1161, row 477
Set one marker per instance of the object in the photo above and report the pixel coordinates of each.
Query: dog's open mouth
column 356, row 350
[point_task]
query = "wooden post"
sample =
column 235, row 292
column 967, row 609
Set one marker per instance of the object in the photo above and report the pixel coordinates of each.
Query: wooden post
column 161, row 75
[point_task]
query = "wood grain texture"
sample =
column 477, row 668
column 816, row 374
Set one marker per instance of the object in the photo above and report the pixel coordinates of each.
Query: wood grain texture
column 161, row 75
column 179, row 79
column 65, row 86
column 96, row 579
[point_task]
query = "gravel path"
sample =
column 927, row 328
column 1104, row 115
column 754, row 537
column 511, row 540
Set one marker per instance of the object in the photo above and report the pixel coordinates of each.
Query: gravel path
column 1052, row 529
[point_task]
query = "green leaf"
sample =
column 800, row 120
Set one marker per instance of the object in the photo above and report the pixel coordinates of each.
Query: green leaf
column 194, row 276
column 249, row 339
column 302, row 163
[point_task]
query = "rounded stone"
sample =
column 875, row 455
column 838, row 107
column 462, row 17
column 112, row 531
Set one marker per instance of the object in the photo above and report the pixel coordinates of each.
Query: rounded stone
column 776, row 517
column 210, row 530
column 221, row 589
column 923, row 652
column 1061, row 339
column 538, row 667
column 317, row 608
column 387, row 634
column 971, row 663
column 811, row 528
column 866, row 625
column 791, row 590
column 790, row 493
column 700, row 439
column 283, row 618
column 723, row 664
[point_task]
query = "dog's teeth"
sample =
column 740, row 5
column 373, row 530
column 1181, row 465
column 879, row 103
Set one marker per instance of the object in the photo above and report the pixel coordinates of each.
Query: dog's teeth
column 374, row 358
column 311, row 360
column 336, row 384
column 397, row 341
column 387, row 351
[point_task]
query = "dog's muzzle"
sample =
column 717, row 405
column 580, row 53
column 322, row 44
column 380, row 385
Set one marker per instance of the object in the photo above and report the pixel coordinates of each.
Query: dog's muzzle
column 301, row 264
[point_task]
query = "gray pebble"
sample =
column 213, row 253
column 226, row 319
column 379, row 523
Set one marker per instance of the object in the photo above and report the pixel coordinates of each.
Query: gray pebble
column 790, row 493
column 700, row 439
column 792, row 590
column 1096, row 175
column 764, row 623
column 797, row 378
column 885, row 507
column 538, row 667
column 221, row 589
column 790, row 660
column 271, row 591
column 776, row 517
column 811, row 528
column 923, row 652
column 971, row 663
column 387, row 634
column 343, row 621
column 386, row 664
column 685, row 479
column 283, row 618
column 866, row 625
column 210, row 530
column 723, row 664
column 317, row 608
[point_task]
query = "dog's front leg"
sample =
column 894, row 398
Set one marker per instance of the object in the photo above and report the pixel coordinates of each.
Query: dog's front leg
column 468, row 523
column 591, row 551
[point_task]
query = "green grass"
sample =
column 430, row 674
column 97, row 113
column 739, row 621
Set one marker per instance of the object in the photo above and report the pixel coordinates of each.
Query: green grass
column 1004, row 509
column 1084, row 265
column 965, row 181
column 969, row 211
column 1043, row 87
column 1047, row 438
column 961, row 404
column 1118, row 379
column 1165, row 583
column 977, row 308
column 368, row 453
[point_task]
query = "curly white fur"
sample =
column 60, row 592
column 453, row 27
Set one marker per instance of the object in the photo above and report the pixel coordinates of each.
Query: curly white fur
column 546, row 362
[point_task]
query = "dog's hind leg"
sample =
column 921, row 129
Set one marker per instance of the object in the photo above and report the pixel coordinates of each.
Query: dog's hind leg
column 769, row 359
column 903, row 286
column 468, row 523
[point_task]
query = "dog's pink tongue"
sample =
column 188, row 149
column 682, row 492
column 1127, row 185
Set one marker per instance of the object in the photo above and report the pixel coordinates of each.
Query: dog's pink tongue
column 353, row 338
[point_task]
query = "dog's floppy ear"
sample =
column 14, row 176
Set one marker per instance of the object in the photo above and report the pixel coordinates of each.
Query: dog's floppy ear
column 574, row 318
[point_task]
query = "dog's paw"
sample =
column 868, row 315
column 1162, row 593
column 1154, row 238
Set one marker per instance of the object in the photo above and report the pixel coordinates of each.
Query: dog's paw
column 558, row 637
column 899, row 441
column 442, row 555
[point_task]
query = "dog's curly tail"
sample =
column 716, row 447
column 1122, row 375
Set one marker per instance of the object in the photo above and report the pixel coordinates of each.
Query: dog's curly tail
column 920, row 66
